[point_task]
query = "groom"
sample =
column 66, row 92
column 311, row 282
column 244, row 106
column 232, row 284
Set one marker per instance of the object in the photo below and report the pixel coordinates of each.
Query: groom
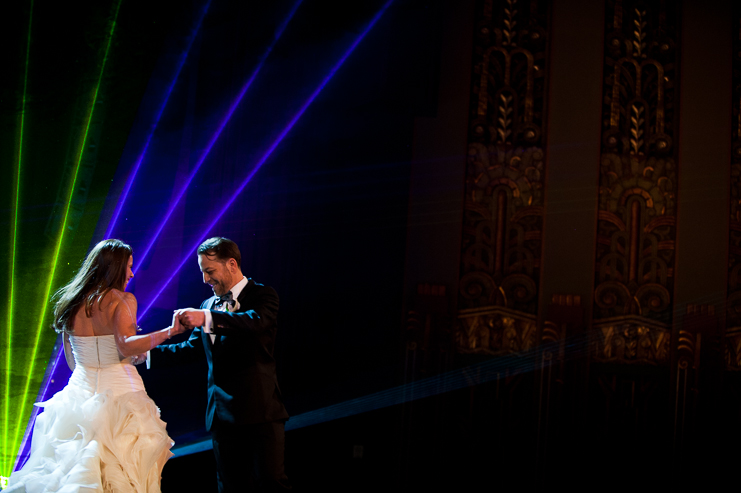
column 235, row 330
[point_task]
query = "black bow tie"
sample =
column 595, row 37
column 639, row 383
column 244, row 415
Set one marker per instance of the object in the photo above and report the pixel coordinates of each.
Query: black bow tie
column 227, row 298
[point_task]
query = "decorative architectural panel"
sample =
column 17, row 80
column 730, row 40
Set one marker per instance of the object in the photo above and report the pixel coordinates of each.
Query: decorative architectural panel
column 495, row 331
column 634, row 271
column 501, row 248
column 631, row 340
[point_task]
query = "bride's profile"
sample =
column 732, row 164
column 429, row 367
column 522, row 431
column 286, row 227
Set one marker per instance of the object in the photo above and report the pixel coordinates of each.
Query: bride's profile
column 101, row 432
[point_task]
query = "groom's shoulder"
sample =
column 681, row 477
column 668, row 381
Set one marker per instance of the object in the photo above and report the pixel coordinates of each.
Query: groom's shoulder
column 259, row 289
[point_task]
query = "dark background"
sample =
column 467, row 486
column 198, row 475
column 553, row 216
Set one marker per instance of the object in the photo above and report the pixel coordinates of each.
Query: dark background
column 356, row 210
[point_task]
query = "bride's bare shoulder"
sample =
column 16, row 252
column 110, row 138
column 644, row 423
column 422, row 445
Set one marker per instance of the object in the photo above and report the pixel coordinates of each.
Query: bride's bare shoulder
column 123, row 295
column 115, row 297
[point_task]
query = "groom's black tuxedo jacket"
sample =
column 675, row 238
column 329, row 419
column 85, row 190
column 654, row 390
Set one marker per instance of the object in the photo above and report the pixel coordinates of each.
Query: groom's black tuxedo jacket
column 242, row 385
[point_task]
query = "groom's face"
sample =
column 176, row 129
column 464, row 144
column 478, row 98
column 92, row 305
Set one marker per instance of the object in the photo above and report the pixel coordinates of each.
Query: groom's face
column 217, row 273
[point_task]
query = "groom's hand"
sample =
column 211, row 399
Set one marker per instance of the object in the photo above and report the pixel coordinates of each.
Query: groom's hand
column 191, row 317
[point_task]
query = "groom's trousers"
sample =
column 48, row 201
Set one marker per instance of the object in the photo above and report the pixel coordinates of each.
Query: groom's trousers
column 250, row 457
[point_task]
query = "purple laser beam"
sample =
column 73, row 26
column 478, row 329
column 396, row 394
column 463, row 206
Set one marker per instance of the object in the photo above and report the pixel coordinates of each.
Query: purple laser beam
column 51, row 376
column 270, row 150
column 216, row 135
column 109, row 232
column 137, row 164
column 129, row 183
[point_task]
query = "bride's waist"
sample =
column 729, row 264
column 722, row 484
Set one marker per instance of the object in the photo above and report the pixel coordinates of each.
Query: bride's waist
column 119, row 378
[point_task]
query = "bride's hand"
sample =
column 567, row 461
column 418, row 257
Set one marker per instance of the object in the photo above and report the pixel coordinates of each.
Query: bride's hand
column 177, row 327
column 139, row 359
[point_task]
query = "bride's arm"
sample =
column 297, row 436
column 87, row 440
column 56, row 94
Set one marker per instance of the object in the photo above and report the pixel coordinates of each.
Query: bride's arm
column 124, row 328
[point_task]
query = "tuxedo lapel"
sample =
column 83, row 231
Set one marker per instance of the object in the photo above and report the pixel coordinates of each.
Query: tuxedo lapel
column 246, row 293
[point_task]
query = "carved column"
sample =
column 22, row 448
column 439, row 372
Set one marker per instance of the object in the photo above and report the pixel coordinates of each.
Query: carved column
column 634, row 275
column 501, row 248
column 631, row 335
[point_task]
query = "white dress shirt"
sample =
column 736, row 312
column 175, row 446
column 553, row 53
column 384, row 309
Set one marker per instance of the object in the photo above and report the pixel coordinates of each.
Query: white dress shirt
column 236, row 290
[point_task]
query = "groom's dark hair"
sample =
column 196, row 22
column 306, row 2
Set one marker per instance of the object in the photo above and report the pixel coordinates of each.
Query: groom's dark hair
column 221, row 248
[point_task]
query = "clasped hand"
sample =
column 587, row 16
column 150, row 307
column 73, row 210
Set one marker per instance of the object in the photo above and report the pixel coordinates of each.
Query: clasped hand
column 189, row 317
column 177, row 327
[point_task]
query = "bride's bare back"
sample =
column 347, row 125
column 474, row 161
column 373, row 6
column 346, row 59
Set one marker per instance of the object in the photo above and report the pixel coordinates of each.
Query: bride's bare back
column 116, row 315
column 106, row 317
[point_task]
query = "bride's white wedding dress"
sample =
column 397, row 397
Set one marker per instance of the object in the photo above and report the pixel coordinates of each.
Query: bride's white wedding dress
column 100, row 433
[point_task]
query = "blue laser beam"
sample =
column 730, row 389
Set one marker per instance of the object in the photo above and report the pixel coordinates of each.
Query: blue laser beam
column 269, row 152
column 468, row 376
column 460, row 378
column 153, row 127
column 182, row 189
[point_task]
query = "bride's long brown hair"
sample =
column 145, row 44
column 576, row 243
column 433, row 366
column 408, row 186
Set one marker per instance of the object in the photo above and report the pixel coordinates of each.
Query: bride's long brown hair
column 103, row 269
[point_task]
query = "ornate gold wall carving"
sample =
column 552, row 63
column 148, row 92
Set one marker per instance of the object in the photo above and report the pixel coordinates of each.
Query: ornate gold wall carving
column 495, row 331
column 500, row 258
column 501, row 248
column 631, row 340
column 634, row 271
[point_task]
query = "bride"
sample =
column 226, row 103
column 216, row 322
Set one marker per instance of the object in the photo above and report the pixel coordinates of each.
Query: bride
column 101, row 433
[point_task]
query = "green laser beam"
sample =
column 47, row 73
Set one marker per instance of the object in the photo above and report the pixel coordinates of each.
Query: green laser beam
column 58, row 246
column 6, row 402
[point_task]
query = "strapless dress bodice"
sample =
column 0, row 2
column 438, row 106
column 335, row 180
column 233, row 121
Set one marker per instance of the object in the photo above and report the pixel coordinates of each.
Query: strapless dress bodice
column 100, row 367
column 95, row 351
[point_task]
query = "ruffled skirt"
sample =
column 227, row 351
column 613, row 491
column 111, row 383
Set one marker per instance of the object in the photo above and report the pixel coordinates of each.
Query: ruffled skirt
column 86, row 442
